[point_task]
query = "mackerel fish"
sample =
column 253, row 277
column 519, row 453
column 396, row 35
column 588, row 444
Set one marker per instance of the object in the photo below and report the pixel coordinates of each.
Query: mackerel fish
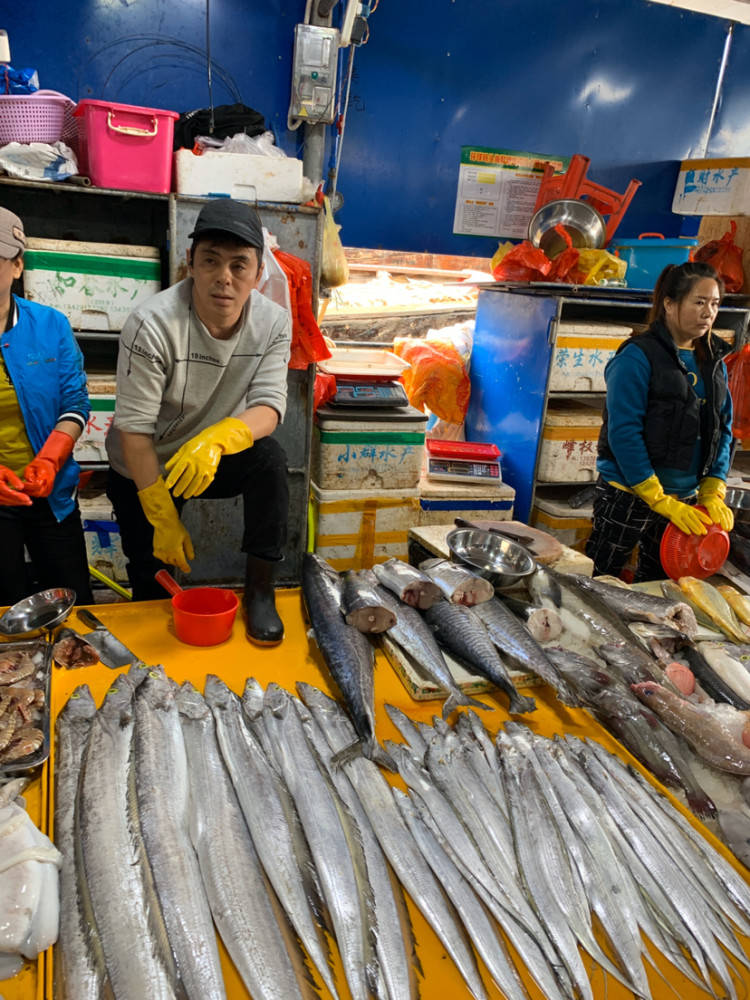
column 346, row 651
column 252, row 926
column 513, row 639
column 408, row 584
column 415, row 637
column 543, row 623
column 637, row 606
column 140, row 962
column 361, row 605
column 463, row 633
column 273, row 823
column 457, row 583
column 399, row 846
column 80, row 968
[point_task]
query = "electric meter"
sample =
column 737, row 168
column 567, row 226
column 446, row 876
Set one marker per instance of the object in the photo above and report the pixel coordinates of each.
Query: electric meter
column 314, row 73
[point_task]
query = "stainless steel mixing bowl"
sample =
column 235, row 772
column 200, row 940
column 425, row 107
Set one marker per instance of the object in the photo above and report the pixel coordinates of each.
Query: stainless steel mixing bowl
column 583, row 223
column 501, row 561
column 39, row 613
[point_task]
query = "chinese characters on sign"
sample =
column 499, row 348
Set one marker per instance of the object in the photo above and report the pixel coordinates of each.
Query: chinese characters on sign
column 497, row 190
column 375, row 453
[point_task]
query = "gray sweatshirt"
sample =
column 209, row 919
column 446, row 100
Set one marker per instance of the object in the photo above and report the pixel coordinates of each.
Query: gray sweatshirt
column 174, row 379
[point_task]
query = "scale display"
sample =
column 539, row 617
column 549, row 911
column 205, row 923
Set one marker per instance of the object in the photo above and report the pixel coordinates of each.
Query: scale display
column 463, row 471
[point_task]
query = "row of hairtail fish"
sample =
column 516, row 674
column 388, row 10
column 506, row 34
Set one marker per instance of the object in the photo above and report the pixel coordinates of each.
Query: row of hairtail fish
column 180, row 813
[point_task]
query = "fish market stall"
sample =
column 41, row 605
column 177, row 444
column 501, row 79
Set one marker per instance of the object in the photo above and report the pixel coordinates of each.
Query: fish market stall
column 151, row 636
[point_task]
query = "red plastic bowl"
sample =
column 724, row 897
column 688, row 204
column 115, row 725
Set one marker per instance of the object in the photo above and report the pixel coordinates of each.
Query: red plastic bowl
column 693, row 555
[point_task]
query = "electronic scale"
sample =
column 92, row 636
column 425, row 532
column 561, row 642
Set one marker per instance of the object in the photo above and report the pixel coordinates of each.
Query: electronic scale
column 463, row 461
column 366, row 394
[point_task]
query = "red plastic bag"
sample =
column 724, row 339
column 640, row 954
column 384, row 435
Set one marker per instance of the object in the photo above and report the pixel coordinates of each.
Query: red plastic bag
column 738, row 366
column 325, row 388
column 565, row 265
column 524, row 262
column 726, row 257
column 308, row 343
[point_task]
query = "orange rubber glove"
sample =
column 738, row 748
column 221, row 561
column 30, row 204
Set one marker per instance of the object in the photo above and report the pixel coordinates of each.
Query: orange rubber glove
column 11, row 490
column 39, row 475
column 682, row 515
column 172, row 544
column 711, row 493
column 192, row 468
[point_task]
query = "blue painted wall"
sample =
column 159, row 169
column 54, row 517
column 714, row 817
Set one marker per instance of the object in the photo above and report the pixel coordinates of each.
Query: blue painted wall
column 630, row 85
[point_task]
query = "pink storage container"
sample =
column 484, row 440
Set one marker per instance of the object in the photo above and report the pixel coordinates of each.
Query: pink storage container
column 126, row 147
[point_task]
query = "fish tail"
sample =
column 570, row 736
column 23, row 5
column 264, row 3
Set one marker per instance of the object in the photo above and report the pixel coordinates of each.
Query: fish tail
column 459, row 697
column 371, row 749
column 520, row 703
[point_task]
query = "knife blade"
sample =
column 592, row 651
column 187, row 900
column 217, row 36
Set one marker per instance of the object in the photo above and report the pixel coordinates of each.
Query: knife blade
column 112, row 652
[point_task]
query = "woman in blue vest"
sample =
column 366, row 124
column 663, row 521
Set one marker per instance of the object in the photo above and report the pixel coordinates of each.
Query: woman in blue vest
column 44, row 407
column 666, row 436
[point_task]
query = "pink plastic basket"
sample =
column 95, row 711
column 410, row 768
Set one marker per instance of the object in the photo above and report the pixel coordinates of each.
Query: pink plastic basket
column 38, row 117
column 126, row 147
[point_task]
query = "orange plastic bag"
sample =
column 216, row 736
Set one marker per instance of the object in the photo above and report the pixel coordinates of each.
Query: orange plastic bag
column 524, row 262
column 565, row 265
column 437, row 378
column 738, row 366
column 308, row 343
column 726, row 257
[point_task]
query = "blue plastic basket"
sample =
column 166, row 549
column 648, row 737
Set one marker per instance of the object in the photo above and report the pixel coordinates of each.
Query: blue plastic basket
column 648, row 255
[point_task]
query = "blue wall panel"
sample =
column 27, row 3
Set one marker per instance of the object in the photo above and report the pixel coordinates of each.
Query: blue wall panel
column 630, row 85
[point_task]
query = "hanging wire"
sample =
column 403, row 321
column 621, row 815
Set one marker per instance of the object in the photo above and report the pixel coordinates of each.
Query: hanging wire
column 208, row 67
column 343, row 108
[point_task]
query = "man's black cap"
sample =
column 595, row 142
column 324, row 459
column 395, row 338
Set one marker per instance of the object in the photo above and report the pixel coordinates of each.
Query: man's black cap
column 227, row 216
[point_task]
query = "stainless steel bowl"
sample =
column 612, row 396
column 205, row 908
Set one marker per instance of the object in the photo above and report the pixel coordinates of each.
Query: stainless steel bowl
column 583, row 223
column 501, row 561
column 39, row 613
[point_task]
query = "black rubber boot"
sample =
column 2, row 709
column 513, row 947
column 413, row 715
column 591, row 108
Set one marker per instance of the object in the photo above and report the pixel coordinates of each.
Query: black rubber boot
column 262, row 623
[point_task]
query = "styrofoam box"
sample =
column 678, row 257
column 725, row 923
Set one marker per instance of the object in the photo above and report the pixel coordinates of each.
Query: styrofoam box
column 96, row 285
column 581, row 352
column 90, row 445
column 440, row 501
column 102, row 535
column 569, row 442
column 369, row 453
column 551, row 513
column 239, row 175
column 713, row 187
column 354, row 529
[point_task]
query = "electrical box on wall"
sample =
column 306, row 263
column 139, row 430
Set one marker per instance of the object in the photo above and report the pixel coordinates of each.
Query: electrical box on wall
column 314, row 73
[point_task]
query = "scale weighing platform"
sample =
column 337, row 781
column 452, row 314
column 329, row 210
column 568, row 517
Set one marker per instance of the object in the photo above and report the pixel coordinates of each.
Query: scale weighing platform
column 366, row 394
column 463, row 461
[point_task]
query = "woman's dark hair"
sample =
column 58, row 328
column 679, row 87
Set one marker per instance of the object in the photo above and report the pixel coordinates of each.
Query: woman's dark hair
column 676, row 282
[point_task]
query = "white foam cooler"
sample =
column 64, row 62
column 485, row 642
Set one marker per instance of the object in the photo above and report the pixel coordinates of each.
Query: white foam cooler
column 552, row 513
column 581, row 352
column 379, row 450
column 441, row 501
column 569, row 441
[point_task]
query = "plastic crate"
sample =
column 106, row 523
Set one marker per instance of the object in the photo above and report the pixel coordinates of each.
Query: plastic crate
column 127, row 147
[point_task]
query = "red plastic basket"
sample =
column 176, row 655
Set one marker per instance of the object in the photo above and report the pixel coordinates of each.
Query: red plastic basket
column 38, row 117
column 693, row 555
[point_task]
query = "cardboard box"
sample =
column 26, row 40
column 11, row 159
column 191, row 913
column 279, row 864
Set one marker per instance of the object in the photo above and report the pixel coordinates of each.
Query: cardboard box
column 354, row 529
column 569, row 442
column 713, row 187
column 239, row 175
column 96, row 285
column 581, row 352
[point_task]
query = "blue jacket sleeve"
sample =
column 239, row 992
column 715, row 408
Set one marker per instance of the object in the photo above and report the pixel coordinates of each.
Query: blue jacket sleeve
column 627, row 376
column 74, row 397
column 720, row 468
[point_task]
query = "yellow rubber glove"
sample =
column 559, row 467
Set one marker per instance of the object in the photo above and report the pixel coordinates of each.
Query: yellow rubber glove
column 682, row 515
column 193, row 467
column 711, row 493
column 171, row 541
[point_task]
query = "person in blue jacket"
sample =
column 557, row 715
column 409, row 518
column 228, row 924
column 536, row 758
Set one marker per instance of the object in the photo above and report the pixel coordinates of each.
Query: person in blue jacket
column 44, row 407
column 665, row 442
